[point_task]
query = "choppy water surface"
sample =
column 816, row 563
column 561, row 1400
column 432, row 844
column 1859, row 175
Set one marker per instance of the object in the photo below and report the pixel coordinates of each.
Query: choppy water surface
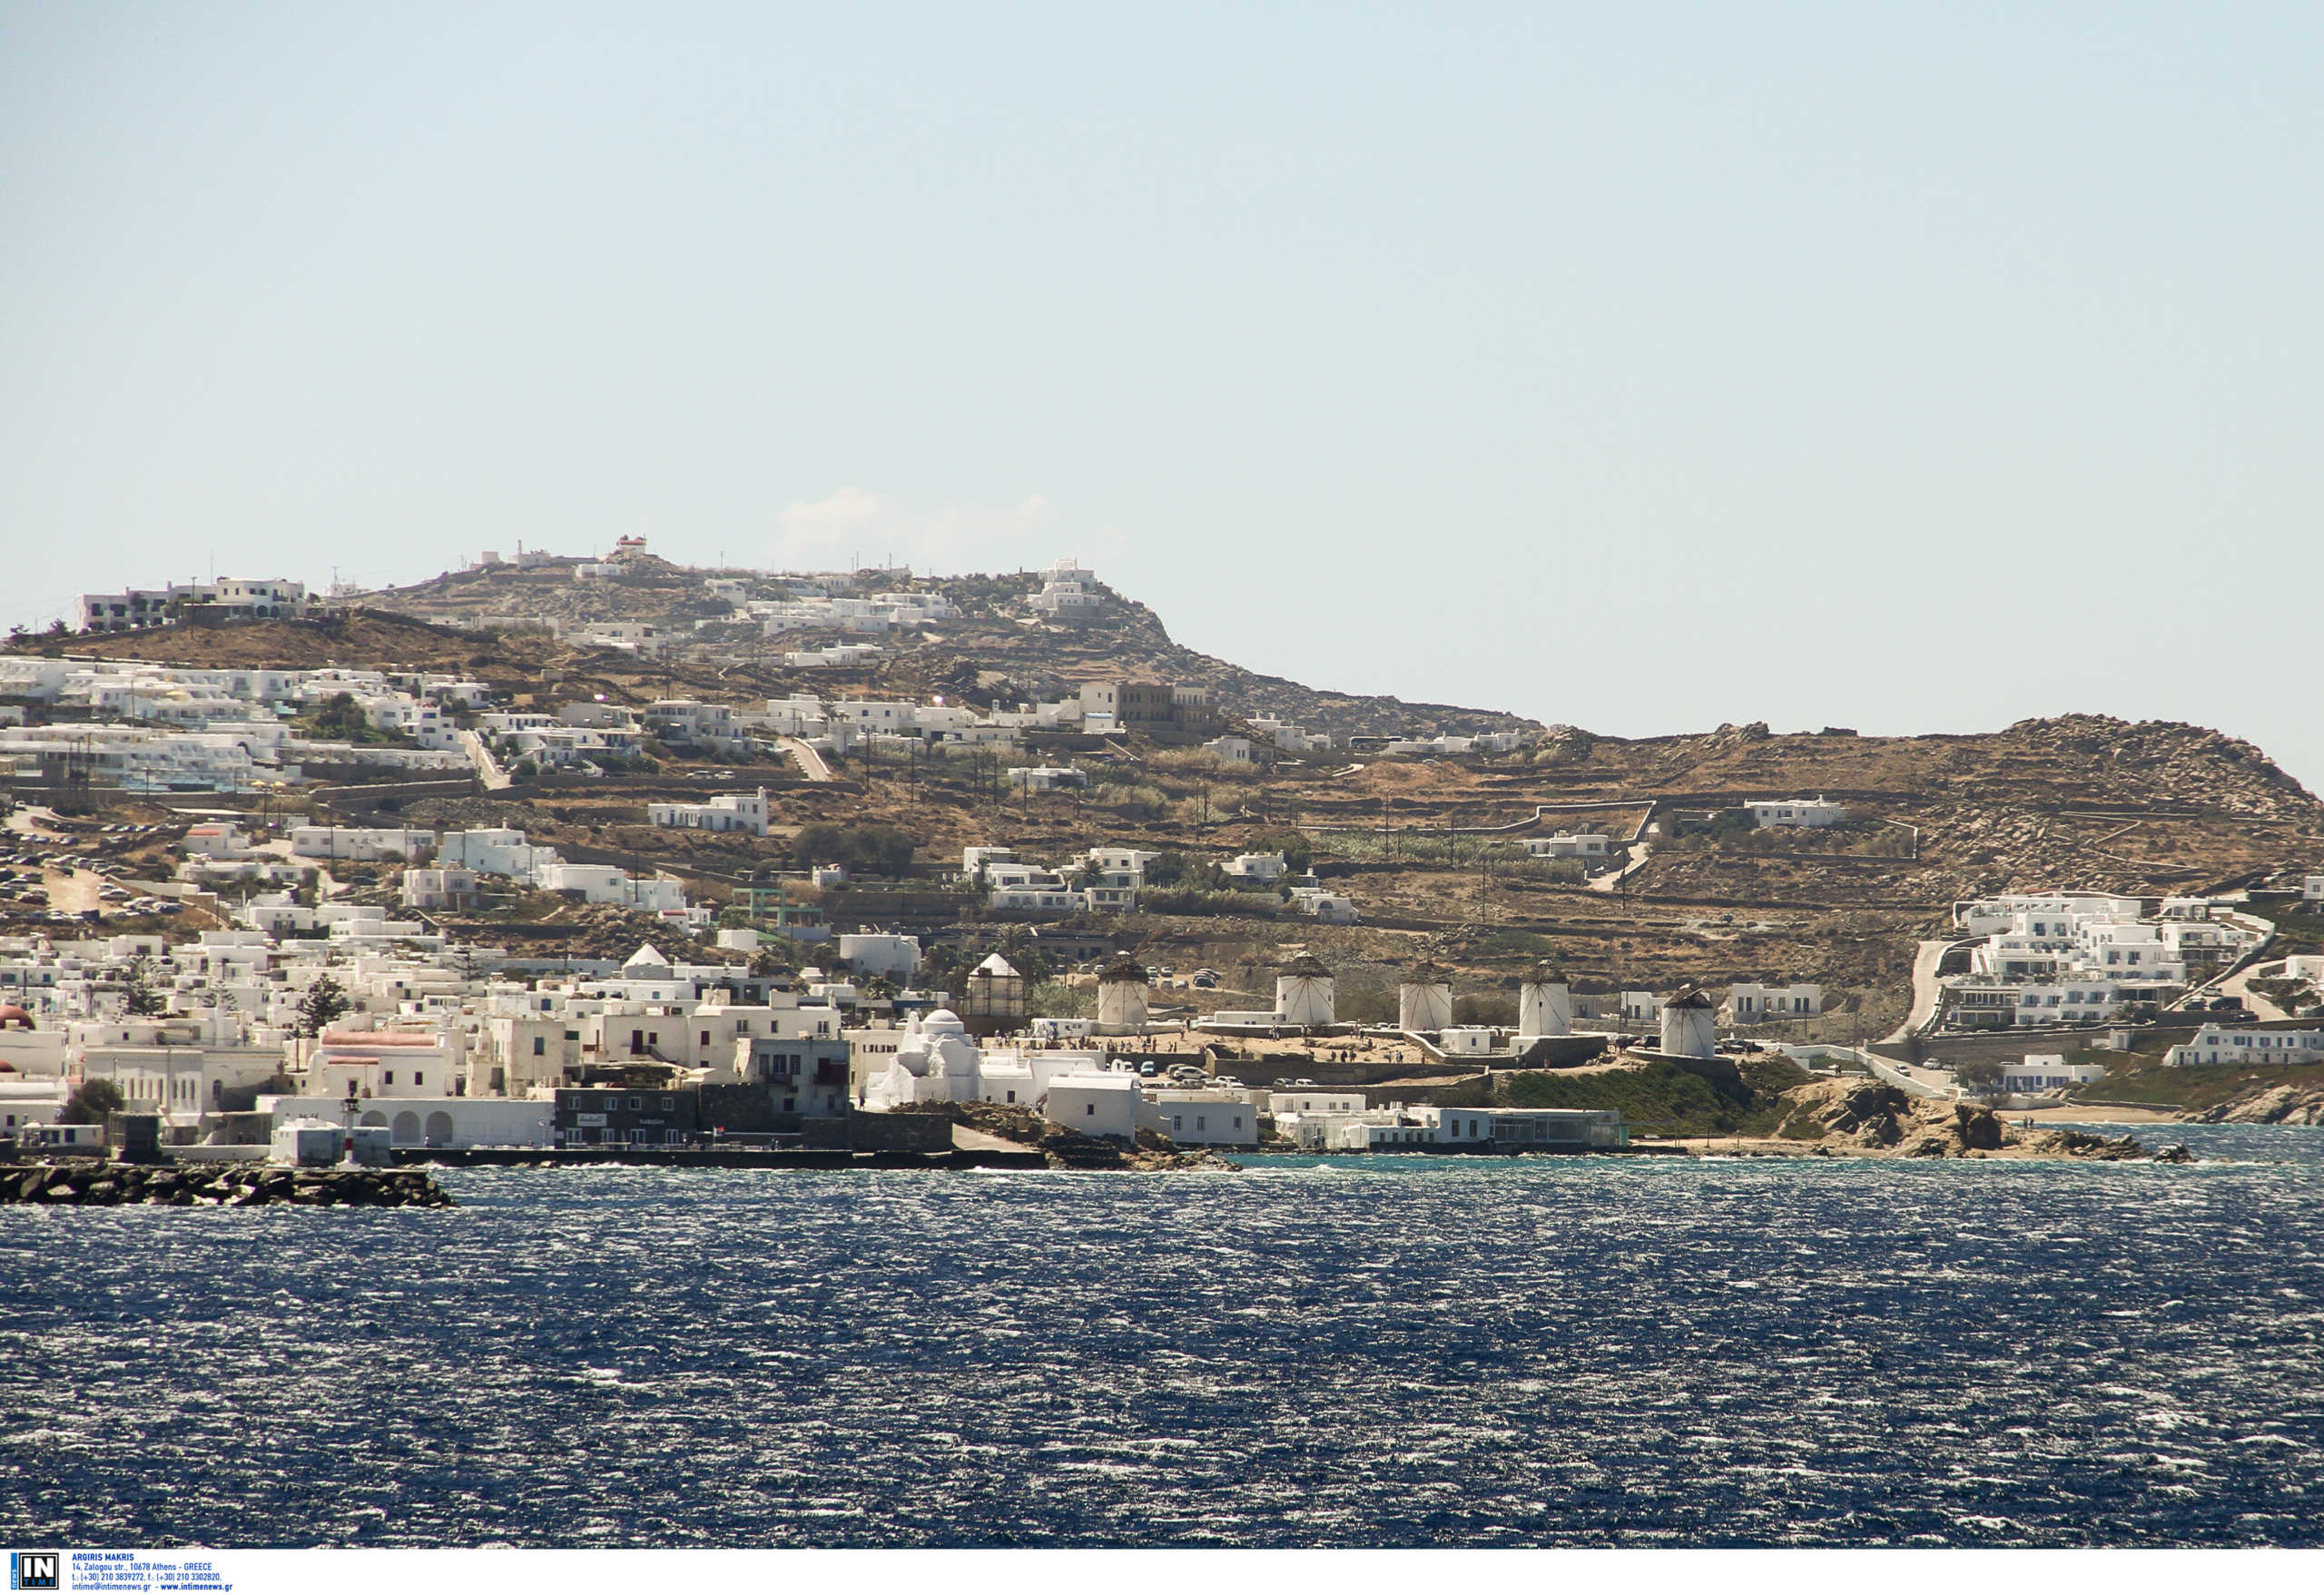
column 1397, row 1351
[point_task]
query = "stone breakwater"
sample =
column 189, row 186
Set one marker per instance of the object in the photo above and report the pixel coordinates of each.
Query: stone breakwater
column 249, row 1185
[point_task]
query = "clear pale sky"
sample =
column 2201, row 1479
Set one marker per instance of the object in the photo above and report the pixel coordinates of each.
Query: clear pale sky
column 1640, row 367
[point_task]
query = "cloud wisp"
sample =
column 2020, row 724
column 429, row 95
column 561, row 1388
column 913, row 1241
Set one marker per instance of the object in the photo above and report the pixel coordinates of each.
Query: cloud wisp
column 856, row 526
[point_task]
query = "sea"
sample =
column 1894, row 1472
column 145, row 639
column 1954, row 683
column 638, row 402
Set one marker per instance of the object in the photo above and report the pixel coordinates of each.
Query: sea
column 1393, row 1351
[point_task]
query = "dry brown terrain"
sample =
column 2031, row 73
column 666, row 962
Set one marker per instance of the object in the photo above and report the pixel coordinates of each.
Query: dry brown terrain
column 1429, row 850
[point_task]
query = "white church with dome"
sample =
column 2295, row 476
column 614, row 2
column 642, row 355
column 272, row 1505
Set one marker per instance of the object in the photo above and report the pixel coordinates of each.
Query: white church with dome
column 937, row 1062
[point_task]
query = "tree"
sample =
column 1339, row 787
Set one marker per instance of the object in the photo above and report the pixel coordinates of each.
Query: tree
column 1168, row 870
column 342, row 719
column 325, row 1000
column 1297, row 852
column 872, row 849
column 92, row 1102
column 144, row 1001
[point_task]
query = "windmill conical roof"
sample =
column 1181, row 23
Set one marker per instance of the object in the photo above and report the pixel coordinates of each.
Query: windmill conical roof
column 1307, row 967
column 1124, row 971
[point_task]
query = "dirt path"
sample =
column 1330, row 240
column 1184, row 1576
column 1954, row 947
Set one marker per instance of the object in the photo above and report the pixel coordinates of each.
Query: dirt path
column 72, row 891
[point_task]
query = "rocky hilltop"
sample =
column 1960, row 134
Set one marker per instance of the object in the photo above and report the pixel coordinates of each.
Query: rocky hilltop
column 998, row 647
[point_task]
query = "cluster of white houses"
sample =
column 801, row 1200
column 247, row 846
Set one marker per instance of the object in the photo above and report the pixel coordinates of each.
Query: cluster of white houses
column 441, row 873
column 2071, row 958
column 166, row 728
column 231, row 599
column 1108, row 880
column 429, row 1050
column 935, row 1061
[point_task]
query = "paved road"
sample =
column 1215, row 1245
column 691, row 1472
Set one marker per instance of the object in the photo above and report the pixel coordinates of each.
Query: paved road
column 2239, row 984
column 1633, row 862
column 811, row 762
column 487, row 768
column 1925, row 990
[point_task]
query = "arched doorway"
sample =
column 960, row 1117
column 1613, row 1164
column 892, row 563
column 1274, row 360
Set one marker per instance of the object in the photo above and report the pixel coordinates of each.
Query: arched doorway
column 440, row 1129
column 407, row 1130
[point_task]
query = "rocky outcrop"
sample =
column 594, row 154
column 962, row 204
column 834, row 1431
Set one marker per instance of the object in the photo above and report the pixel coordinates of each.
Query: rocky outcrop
column 2270, row 1105
column 1977, row 1128
column 81, row 1184
column 2100, row 1149
column 1882, row 1119
column 1069, row 1148
column 1869, row 1113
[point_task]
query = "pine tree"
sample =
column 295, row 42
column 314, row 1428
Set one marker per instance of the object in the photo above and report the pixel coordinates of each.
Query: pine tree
column 325, row 1000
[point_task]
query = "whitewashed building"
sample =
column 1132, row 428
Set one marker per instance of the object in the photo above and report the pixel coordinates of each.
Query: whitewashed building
column 2248, row 1048
column 727, row 811
column 1809, row 812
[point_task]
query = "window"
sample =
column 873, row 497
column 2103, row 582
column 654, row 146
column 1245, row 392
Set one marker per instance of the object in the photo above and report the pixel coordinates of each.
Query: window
column 1089, row 1109
column 417, row 1079
column 540, row 1046
column 388, row 1078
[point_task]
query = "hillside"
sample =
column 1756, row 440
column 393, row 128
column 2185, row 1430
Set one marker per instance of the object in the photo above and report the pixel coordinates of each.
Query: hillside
column 1429, row 850
column 997, row 648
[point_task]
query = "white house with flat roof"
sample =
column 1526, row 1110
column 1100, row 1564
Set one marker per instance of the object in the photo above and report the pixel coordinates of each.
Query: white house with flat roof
column 1750, row 1004
column 727, row 811
column 1809, row 811
column 2040, row 1072
column 347, row 841
column 2247, row 1048
column 1566, row 845
column 1210, row 1116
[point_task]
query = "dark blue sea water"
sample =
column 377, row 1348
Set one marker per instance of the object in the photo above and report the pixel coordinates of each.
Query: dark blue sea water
column 1392, row 1351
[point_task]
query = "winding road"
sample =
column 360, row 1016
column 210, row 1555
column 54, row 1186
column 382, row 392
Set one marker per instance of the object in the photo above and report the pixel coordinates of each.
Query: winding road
column 1925, row 990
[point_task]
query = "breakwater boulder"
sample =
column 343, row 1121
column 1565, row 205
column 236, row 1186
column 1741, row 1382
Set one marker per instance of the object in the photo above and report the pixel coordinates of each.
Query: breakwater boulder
column 2119, row 1150
column 85, row 1184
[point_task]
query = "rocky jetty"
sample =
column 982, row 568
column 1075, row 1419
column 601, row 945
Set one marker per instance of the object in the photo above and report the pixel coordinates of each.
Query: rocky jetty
column 81, row 1184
